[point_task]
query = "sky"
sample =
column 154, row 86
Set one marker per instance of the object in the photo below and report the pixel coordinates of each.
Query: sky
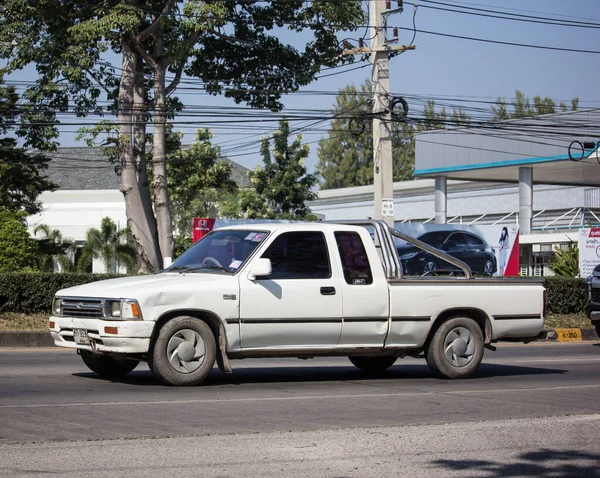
column 451, row 71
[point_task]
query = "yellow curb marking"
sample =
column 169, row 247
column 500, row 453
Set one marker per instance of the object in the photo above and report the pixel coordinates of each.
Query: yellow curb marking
column 565, row 335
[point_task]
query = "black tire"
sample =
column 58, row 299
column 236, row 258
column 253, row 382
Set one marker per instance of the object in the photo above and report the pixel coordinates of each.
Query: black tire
column 456, row 348
column 429, row 266
column 107, row 366
column 373, row 364
column 488, row 268
column 184, row 352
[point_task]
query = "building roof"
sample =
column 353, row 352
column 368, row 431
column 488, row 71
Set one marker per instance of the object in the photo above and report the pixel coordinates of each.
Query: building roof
column 495, row 151
column 82, row 168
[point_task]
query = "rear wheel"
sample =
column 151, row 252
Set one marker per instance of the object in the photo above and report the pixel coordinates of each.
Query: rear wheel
column 456, row 349
column 373, row 364
column 107, row 366
column 488, row 268
column 184, row 352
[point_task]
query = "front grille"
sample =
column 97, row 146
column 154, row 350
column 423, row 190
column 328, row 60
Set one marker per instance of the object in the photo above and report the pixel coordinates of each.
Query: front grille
column 88, row 308
column 595, row 294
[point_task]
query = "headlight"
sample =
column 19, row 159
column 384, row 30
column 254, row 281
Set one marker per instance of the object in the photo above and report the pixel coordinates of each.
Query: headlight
column 124, row 309
column 56, row 306
column 130, row 310
column 115, row 308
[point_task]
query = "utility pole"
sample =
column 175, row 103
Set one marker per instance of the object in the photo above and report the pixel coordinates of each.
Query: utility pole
column 380, row 49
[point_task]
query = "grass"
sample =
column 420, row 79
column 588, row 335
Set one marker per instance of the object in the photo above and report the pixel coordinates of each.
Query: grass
column 15, row 321
column 567, row 321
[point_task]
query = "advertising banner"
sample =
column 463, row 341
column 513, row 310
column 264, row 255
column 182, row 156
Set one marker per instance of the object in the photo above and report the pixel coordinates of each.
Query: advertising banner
column 589, row 250
column 487, row 250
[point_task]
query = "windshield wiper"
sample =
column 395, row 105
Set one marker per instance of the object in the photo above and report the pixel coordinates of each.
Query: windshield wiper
column 181, row 269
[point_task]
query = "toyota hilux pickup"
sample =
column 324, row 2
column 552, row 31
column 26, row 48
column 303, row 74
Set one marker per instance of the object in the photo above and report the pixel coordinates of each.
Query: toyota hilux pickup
column 293, row 290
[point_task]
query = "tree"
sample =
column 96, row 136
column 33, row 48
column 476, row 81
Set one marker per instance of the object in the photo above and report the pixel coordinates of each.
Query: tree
column 52, row 248
column 522, row 108
column 17, row 249
column 199, row 183
column 282, row 185
column 21, row 173
column 346, row 156
column 109, row 244
column 231, row 46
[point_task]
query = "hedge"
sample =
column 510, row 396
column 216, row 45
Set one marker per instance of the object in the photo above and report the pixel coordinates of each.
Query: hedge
column 33, row 292
column 566, row 295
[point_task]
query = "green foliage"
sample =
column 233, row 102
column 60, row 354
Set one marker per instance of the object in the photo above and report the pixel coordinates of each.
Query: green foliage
column 109, row 244
column 21, row 174
column 346, row 156
column 33, row 292
column 199, row 182
column 566, row 262
column 522, row 107
column 566, row 295
column 17, row 249
column 53, row 248
column 282, row 186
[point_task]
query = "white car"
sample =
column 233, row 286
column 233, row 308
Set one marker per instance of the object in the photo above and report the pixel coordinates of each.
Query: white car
column 292, row 290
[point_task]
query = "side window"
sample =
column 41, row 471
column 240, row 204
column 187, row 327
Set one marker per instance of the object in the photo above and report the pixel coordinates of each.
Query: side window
column 355, row 263
column 299, row 255
column 473, row 241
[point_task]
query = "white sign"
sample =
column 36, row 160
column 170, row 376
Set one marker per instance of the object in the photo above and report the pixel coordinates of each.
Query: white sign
column 387, row 207
column 589, row 250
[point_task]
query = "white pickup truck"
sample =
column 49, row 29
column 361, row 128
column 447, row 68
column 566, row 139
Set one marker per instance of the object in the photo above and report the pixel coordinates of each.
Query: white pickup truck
column 293, row 290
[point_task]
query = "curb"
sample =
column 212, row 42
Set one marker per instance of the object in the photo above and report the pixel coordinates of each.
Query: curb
column 22, row 339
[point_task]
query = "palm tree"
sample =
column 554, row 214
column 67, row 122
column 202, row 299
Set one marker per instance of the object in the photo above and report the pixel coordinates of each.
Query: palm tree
column 109, row 244
column 53, row 248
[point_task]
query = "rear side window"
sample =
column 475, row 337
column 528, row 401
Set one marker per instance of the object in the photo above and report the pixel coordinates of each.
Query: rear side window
column 299, row 255
column 355, row 264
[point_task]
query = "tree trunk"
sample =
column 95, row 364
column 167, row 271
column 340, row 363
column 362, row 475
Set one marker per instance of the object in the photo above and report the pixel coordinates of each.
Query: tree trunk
column 136, row 217
column 159, row 164
column 139, row 150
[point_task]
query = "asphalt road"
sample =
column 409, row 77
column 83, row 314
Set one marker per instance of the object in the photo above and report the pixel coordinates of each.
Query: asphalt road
column 531, row 410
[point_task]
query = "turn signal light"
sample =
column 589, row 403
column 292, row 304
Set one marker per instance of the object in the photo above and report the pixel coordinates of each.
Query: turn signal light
column 51, row 324
column 135, row 309
column 111, row 330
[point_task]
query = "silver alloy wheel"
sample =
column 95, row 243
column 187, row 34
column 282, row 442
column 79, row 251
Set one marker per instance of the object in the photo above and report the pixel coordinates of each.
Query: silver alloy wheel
column 186, row 351
column 459, row 347
column 488, row 268
column 429, row 266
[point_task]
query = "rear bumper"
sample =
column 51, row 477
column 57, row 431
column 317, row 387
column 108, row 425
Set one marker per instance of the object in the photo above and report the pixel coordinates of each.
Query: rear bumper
column 132, row 337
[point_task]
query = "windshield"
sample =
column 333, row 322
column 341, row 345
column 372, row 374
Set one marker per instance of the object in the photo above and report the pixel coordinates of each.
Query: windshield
column 221, row 250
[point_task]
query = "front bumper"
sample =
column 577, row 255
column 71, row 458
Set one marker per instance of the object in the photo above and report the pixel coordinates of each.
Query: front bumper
column 132, row 337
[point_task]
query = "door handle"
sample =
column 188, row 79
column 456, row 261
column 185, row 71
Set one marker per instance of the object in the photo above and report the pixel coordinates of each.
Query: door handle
column 327, row 290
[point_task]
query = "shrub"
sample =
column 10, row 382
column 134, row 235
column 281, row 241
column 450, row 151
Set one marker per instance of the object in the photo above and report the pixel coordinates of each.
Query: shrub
column 17, row 249
column 33, row 292
column 566, row 295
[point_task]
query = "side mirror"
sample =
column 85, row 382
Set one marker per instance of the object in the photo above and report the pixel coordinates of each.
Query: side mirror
column 260, row 268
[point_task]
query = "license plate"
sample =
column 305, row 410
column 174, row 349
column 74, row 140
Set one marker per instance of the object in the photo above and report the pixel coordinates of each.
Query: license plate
column 81, row 336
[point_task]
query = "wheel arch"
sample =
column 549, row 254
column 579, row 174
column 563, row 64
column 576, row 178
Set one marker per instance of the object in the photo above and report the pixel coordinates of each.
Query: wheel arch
column 215, row 323
column 478, row 315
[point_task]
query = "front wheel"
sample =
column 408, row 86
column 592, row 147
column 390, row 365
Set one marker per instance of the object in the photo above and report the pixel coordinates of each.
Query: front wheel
column 456, row 349
column 107, row 366
column 373, row 364
column 184, row 352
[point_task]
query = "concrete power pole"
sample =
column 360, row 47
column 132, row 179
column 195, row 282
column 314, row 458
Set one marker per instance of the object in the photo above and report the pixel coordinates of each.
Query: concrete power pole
column 380, row 49
column 383, row 175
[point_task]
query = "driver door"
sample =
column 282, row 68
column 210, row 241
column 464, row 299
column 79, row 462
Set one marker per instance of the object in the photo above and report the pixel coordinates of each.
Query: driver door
column 299, row 305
